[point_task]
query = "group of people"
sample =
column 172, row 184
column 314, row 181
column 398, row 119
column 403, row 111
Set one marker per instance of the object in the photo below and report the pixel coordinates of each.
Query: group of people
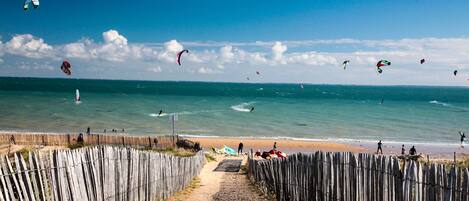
column 241, row 146
column 412, row 151
column 114, row 130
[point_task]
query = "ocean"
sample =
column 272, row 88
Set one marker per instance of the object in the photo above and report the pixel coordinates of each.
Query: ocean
column 418, row 114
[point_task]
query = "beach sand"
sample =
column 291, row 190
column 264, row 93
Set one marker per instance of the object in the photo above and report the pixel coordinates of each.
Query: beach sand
column 287, row 146
column 307, row 146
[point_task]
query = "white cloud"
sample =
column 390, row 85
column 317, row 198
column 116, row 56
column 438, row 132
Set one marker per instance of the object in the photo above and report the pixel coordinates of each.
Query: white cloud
column 295, row 57
column 26, row 65
column 113, row 37
column 226, row 53
column 28, row 46
column 156, row 69
column 311, row 58
column 171, row 48
column 277, row 50
column 204, row 70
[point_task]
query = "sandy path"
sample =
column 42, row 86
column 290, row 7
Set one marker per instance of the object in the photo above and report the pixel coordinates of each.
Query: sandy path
column 223, row 185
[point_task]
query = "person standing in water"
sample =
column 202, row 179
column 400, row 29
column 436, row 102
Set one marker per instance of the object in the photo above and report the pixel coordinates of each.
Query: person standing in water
column 275, row 145
column 379, row 150
column 402, row 150
column 240, row 147
column 161, row 111
column 463, row 135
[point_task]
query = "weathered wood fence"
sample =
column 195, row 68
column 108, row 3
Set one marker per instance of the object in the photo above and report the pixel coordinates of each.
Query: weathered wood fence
column 96, row 173
column 364, row 177
column 93, row 139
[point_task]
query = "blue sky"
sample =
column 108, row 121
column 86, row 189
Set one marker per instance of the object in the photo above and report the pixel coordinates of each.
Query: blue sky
column 310, row 34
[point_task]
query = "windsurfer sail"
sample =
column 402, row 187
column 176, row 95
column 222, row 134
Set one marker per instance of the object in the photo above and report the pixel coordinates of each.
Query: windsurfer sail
column 77, row 96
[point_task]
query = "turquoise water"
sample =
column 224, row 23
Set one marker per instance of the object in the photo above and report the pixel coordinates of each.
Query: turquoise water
column 408, row 113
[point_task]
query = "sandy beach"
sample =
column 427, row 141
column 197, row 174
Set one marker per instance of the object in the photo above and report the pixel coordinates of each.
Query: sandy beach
column 434, row 151
column 288, row 146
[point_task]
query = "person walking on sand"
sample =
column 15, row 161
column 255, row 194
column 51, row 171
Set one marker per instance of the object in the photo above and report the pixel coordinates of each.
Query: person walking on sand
column 402, row 150
column 379, row 150
column 240, row 147
column 412, row 151
column 80, row 138
column 88, row 130
column 463, row 135
column 275, row 145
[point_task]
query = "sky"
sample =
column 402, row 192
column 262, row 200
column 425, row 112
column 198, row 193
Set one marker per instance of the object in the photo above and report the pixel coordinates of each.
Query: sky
column 228, row 41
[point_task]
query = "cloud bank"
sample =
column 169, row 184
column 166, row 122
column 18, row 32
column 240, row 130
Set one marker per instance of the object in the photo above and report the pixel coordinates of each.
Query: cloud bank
column 315, row 61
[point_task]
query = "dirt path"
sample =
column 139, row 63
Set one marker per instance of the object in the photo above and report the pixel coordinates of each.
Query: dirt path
column 220, row 185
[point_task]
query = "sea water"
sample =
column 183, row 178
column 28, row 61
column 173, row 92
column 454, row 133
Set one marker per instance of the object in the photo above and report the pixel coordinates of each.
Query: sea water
column 320, row 112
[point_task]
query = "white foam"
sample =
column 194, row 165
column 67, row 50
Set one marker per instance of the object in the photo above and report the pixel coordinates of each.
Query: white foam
column 243, row 107
column 156, row 115
column 439, row 103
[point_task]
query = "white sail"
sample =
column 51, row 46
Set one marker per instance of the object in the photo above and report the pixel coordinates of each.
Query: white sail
column 77, row 96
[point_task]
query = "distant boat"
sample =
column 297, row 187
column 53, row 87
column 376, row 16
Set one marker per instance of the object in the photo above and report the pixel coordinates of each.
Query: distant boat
column 77, row 96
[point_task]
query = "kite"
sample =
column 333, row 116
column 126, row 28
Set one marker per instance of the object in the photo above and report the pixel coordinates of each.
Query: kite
column 345, row 63
column 27, row 2
column 65, row 67
column 422, row 61
column 180, row 54
column 381, row 64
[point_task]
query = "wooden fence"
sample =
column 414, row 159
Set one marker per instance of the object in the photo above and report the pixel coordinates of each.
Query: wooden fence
column 96, row 173
column 363, row 177
column 93, row 139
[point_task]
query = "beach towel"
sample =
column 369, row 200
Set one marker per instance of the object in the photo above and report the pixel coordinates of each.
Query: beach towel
column 229, row 151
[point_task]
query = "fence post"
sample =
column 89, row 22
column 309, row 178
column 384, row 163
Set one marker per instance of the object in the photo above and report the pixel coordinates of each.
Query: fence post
column 454, row 160
column 68, row 139
column 123, row 141
column 149, row 141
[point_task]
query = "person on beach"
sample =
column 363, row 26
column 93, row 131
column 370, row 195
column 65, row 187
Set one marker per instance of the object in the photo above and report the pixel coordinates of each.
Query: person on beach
column 463, row 135
column 258, row 153
column 80, row 138
column 240, row 147
column 402, row 150
column 275, row 145
column 380, row 150
column 104, row 130
column 88, row 130
column 412, row 151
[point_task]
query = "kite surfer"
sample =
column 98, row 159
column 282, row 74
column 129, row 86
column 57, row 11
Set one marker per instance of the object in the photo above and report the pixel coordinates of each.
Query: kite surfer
column 463, row 135
column 159, row 113
column 252, row 109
